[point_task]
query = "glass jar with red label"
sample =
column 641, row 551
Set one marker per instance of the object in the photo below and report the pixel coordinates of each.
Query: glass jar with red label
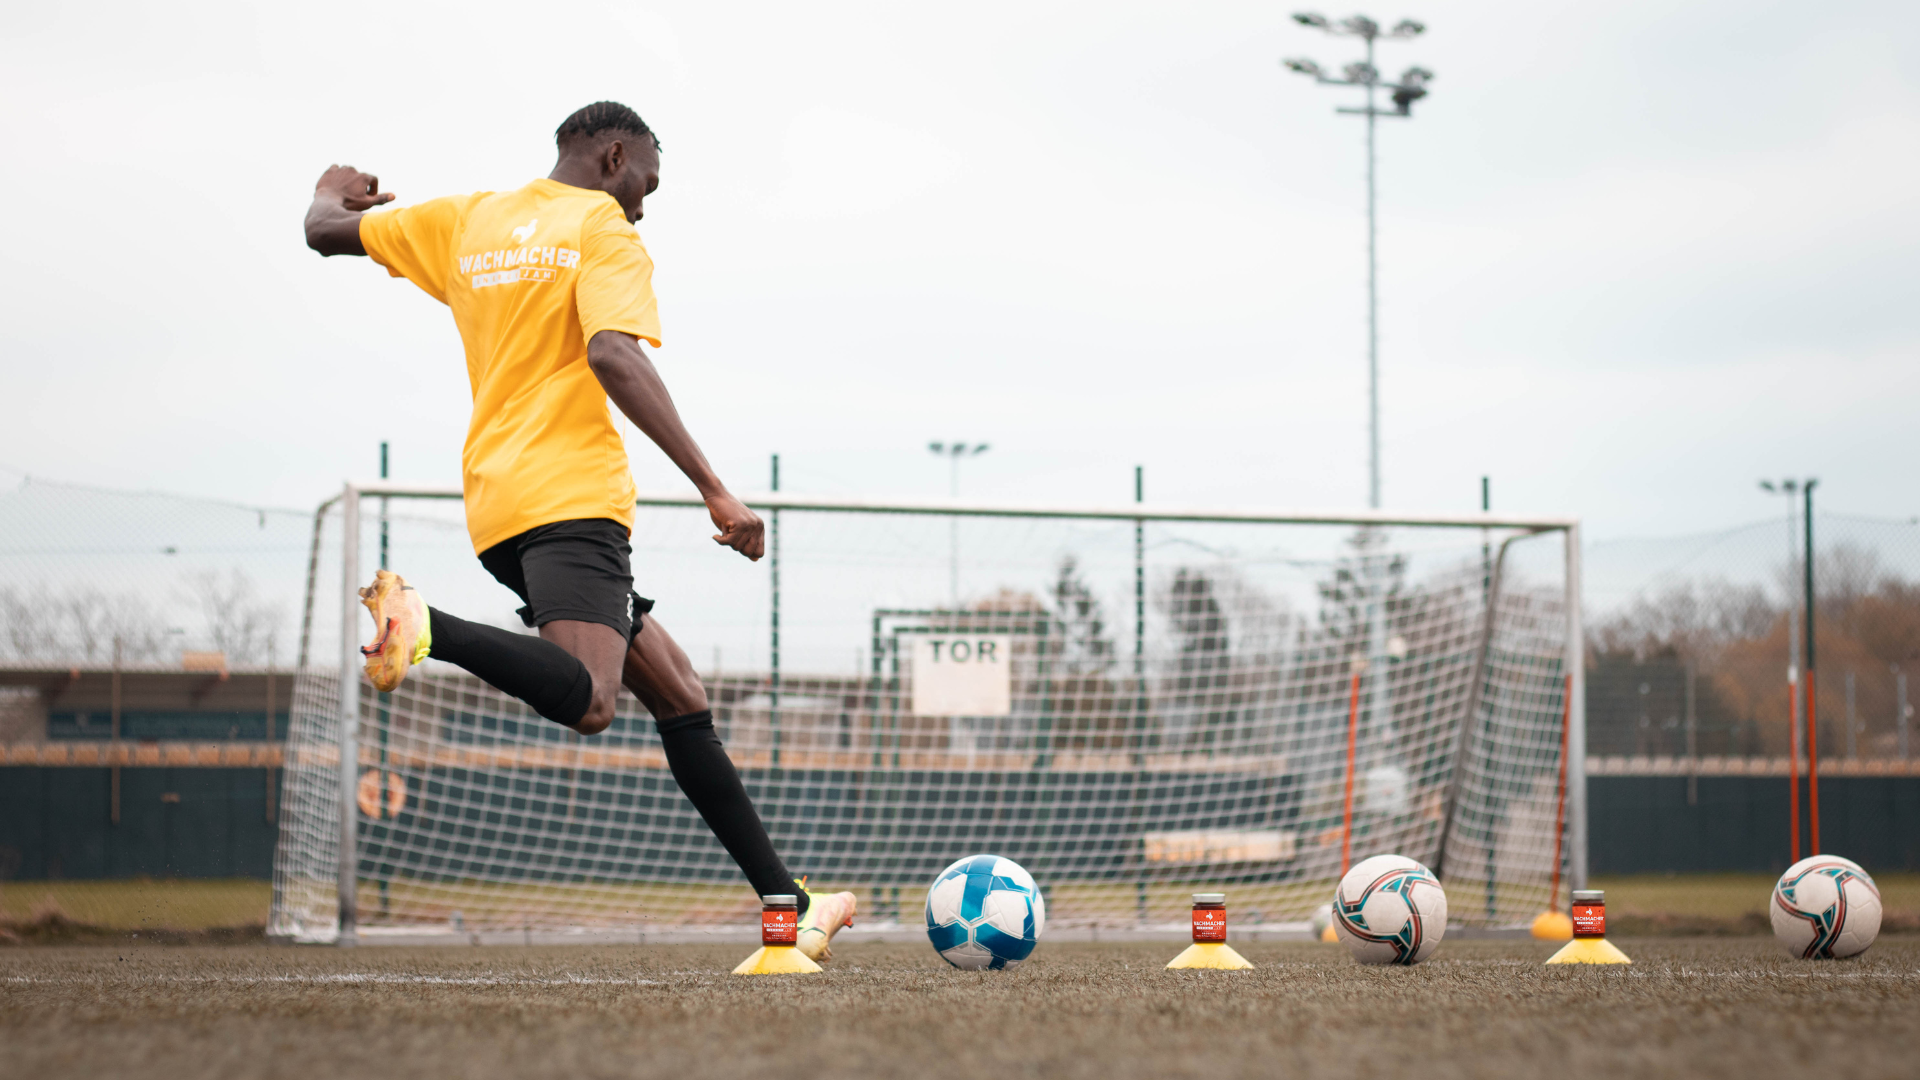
column 779, row 919
column 1210, row 916
column 1589, row 913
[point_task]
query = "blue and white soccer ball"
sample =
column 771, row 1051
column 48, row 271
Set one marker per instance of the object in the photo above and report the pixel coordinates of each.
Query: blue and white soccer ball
column 1825, row 908
column 1390, row 910
column 985, row 912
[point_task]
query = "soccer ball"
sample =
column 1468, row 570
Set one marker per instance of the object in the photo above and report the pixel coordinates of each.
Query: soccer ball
column 1390, row 910
column 1321, row 922
column 985, row 912
column 1825, row 908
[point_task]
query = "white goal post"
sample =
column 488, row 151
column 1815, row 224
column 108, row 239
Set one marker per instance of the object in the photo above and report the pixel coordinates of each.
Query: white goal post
column 1134, row 702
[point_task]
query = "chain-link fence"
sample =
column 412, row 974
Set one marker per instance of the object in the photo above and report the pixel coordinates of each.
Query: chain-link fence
column 1694, row 642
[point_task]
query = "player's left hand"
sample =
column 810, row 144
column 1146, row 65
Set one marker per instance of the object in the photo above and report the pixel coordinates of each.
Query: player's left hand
column 357, row 191
column 740, row 528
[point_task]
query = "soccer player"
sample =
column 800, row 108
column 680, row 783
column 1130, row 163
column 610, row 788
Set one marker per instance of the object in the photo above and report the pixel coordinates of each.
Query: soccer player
column 551, row 289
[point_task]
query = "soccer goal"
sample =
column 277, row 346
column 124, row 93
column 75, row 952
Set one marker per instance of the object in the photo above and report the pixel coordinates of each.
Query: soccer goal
column 1133, row 703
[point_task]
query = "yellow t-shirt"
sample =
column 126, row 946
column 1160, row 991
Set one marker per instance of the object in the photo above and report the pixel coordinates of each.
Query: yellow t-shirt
column 531, row 276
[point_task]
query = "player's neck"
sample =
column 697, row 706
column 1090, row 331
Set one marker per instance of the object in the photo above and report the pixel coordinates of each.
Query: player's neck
column 580, row 173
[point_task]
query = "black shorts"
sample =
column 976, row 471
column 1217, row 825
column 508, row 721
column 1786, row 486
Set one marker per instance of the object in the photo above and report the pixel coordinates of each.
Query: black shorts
column 581, row 570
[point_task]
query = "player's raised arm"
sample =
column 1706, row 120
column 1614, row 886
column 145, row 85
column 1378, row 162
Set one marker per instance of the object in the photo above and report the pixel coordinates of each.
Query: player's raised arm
column 636, row 387
column 341, row 196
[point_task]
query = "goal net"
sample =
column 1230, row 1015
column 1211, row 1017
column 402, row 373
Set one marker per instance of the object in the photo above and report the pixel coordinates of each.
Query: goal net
column 1132, row 704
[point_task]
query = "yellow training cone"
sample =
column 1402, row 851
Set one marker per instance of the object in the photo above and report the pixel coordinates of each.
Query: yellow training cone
column 1328, row 934
column 1589, row 950
column 1210, row 948
column 776, row 960
column 1589, row 944
column 779, row 929
column 1210, row 954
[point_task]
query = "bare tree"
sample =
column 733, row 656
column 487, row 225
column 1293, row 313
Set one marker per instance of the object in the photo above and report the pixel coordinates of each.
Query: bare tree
column 238, row 622
column 1085, row 646
column 78, row 625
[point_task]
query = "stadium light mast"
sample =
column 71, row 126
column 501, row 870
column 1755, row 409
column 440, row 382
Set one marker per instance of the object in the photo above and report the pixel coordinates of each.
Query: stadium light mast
column 953, row 452
column 1791, row 489
column 1411, row 88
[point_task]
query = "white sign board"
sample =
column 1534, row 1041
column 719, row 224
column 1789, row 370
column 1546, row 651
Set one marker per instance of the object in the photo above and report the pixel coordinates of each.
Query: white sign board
column 1219, row 846
column 962, row 674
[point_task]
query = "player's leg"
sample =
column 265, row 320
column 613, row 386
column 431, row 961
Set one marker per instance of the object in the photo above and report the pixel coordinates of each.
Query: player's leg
column 660, row 675
column 575, row 581
column 600, row 649
column 542, row 674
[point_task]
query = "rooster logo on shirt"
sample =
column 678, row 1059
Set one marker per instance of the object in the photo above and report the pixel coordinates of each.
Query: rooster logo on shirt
column 525, row 232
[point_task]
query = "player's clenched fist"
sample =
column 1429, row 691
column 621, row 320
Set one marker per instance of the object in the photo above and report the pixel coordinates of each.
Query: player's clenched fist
column 740, row 528
column 355, row 190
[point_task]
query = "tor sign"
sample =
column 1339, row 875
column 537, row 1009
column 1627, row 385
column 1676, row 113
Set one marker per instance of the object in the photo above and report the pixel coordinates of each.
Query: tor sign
column 962, row 675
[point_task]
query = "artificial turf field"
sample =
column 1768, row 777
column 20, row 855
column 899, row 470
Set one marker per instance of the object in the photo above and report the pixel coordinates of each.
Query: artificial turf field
column 1687, row 1007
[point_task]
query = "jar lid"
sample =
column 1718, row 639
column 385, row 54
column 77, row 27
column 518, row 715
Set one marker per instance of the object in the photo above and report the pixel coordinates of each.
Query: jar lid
column 1589, row 896
column 780, row 899
column 1209, row 898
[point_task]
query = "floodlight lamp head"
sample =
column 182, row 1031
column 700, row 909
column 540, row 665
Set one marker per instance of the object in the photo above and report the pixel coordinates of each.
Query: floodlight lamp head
column 1412, row 87
column 1790, row 486
column 1767, row 486
column 1407, row 28
column 1360, row 26
column 1361, row 73
column 941, row 448
column 980, row 449
column 1311, row 18
column 1304, row 67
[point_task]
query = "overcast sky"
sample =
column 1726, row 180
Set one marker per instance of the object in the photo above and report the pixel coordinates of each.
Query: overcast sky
column 1634, row 255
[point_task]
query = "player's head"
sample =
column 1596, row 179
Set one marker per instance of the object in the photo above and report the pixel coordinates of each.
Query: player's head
column 618, row 145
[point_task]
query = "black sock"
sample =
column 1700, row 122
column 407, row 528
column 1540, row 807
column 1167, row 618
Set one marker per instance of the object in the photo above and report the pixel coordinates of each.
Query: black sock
column 704, row 771
column 535, row 670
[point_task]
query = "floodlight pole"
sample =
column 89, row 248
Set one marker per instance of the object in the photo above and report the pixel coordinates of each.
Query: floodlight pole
column 953, row 452
column 1813, row 733
column 1410, row 88
column 1373, row 309
column 1790, row 489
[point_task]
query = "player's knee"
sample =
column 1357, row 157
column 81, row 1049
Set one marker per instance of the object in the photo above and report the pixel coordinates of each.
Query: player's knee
column 599, row 715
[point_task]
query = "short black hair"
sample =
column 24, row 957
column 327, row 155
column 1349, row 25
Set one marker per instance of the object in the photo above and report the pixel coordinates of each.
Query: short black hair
column 603, row 116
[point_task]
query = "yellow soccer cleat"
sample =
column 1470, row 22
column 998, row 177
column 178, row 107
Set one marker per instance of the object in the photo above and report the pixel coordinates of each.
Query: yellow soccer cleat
column 826, row 914
column 401, row 617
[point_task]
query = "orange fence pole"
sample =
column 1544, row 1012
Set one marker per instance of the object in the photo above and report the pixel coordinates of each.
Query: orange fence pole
column 1353, row 744
column 1560, row 808
column 1813, row 773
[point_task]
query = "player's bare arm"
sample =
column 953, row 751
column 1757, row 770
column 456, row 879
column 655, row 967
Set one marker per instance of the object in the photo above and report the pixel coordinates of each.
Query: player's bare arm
column 633, row 383
column 341, row 196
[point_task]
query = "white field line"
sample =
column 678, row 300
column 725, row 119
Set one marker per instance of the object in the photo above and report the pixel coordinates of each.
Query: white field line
column 348, row 979
column 1684, row 973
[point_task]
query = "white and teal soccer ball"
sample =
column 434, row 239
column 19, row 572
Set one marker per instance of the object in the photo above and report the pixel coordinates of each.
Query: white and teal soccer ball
column 1825, row 908
column 1390, row 910
column 985, row 912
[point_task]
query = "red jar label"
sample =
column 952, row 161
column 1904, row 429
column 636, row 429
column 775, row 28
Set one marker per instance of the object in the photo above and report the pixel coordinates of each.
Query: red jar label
column 1209, row 924
column 1589, row 920
column 779, row 927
